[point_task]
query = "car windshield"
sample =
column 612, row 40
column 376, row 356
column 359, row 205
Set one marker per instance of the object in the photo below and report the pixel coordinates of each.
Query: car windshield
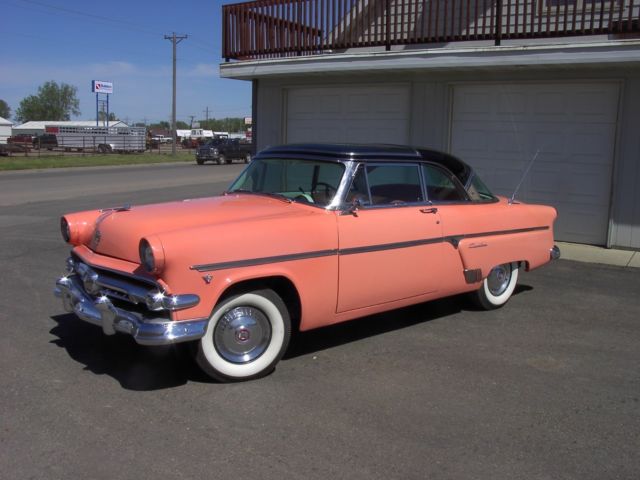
column 304, row 181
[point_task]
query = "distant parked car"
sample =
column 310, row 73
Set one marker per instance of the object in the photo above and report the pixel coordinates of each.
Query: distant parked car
column 307, row 236
column 48, row 141
column 224, row 150
column 22, row 139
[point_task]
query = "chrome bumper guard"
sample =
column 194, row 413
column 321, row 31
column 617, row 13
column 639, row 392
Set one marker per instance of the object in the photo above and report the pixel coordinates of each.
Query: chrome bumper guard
column 554, row 253
column 102, row 312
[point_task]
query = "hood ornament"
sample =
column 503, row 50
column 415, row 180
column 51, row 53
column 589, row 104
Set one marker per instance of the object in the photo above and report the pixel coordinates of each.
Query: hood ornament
column 124, row 208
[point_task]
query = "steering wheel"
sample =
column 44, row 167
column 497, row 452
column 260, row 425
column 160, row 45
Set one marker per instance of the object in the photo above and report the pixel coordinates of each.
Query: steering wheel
column 329, row 190
column 302, row 198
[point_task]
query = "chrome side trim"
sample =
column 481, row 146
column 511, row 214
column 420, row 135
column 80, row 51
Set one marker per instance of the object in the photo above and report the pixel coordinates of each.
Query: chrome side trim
column 456, row 239
column 453, row 239
column 389, row 246
column 101, row 312
column 554, row 253
column 263, row 261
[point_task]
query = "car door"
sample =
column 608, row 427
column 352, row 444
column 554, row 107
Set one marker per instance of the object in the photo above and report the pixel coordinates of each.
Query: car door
column 390, row 247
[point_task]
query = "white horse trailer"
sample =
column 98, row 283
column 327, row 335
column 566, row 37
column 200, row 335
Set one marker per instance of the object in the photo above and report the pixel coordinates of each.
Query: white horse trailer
column 99, row 139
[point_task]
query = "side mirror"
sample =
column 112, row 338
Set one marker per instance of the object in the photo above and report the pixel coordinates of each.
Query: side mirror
column 353, row 207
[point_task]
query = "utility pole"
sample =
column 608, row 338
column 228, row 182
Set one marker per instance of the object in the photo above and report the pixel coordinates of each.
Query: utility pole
column 175, row 39
column 191, row 122
column 206, row 112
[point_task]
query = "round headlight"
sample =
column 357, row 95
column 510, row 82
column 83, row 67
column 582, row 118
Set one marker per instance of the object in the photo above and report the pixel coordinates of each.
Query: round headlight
column 65, row 230
column 151, row 254
column 146, row 256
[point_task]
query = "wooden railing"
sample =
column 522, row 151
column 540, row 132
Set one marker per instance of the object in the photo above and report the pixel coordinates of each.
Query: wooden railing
column 280, row 28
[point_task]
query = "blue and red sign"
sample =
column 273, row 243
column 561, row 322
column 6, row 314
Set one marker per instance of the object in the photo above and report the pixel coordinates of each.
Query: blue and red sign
column 98, row 86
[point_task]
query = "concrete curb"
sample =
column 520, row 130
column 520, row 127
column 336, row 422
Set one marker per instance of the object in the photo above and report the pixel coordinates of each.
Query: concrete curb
column 592, row 254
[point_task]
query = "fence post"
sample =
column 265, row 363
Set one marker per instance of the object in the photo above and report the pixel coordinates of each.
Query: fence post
column 498, row 32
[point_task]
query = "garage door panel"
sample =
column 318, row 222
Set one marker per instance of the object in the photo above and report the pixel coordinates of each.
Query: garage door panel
column 371, row 114
column 581, row 226
column 570, row 127
column 512, row 104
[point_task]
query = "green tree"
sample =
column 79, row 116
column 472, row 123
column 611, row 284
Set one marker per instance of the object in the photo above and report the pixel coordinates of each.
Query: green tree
column 53, row 102
column 224, row 124
column 112, row 116
column 163, row 125
column 5, row 110
column 180, row 125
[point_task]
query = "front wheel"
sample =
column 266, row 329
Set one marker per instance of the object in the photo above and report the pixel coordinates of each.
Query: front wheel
column 246, row 337
column 221, row 159
column 498, row 287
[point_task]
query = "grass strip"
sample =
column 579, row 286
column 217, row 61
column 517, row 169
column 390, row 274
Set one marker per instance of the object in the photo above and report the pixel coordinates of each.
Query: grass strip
column 17, row 162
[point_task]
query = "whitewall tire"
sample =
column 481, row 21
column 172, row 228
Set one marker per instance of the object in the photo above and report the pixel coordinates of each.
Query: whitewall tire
column 498, row 286
column 246, row 336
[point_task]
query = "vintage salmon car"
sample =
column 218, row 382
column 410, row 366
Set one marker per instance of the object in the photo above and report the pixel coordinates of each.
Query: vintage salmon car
column 307, row 236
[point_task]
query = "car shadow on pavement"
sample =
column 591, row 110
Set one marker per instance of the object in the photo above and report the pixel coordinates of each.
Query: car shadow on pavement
column 141, row 368
column 304, row 343
column 136, row 367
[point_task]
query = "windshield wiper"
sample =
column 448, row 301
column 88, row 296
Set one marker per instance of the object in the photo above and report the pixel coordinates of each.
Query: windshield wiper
column 277, row 196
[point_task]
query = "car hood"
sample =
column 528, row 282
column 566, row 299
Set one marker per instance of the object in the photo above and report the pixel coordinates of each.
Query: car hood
column 117, row 232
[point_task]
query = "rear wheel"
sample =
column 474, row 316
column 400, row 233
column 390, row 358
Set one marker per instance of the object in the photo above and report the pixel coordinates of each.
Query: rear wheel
column 246, row 336
column 247, row 158
column 498, row 287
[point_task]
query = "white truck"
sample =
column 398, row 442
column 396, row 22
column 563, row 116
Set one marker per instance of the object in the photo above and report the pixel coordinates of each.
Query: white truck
column 99, row 139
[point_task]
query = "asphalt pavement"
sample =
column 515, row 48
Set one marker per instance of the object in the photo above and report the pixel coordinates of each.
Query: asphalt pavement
column 547, row 387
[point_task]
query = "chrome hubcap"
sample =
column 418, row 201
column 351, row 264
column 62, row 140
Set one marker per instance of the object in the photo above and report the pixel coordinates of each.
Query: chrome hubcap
column 499, row 278
column 242, row 334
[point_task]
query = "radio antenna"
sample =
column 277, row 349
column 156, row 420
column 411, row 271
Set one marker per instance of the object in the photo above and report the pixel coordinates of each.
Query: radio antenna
column 526, row 172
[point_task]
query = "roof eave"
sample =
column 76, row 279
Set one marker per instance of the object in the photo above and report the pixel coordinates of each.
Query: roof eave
column 604, row 53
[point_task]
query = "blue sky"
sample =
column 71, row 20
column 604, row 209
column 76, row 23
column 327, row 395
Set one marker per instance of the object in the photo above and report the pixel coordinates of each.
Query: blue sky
column 123, row 42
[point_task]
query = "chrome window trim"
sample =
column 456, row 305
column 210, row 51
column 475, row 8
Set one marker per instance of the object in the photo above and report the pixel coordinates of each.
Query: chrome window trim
column 455, row 180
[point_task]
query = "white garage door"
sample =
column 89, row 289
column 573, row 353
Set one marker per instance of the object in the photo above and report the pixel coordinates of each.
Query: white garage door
column 368, row 114
column 571, row 127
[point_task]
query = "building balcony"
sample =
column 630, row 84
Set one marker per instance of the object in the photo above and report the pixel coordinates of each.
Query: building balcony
column 287, row 28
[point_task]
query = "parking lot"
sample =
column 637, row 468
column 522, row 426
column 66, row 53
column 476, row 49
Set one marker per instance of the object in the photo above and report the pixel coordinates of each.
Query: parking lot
column 547, row 387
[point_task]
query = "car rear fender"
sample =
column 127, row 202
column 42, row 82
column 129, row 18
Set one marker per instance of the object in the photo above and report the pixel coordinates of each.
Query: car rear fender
column 484, row 253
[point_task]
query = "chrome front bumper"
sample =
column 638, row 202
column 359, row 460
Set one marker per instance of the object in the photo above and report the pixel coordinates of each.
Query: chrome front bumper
column 103, row 313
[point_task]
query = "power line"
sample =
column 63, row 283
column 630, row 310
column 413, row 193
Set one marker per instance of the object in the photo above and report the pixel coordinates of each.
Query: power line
column 90, row 15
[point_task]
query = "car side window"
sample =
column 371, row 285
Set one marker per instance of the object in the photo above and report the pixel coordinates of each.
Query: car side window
column 440, row 186
column 394, row 184
column 359, row 191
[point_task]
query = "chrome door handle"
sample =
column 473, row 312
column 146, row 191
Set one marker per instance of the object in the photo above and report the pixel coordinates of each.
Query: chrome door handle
column 429, row 210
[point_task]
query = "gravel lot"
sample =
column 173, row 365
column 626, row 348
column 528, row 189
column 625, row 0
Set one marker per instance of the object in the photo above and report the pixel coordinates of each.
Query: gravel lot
column 546, row 388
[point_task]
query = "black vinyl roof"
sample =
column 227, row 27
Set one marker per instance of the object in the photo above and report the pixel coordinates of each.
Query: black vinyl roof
column 369, row 152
